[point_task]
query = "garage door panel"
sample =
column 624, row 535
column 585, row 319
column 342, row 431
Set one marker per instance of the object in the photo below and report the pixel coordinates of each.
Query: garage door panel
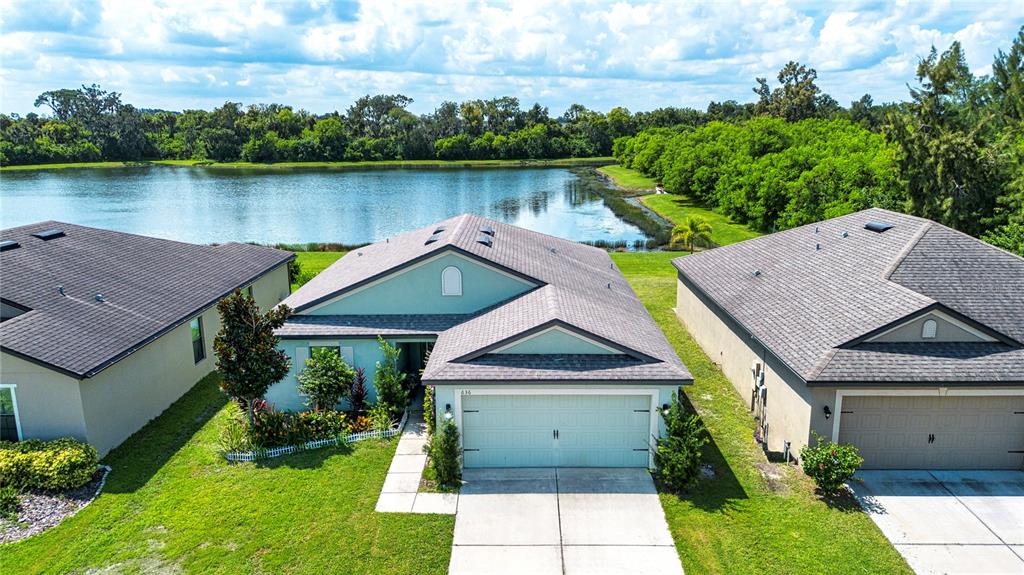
column 979, row 432
column 593, row 430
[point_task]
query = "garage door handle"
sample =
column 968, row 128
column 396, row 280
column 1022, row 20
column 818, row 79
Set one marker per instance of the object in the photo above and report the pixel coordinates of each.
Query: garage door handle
column 931, row 438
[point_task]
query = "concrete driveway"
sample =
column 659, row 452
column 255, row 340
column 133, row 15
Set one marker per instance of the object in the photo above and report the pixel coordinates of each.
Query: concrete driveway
column 949, row 521
column 561, row 521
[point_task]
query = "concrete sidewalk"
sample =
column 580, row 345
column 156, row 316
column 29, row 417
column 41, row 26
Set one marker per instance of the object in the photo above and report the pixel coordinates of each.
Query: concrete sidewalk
column 561, row 521
column 949, row 521
column 400, row 491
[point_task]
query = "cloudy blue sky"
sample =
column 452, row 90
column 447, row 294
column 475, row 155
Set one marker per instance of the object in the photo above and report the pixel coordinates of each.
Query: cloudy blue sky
column 321, row 55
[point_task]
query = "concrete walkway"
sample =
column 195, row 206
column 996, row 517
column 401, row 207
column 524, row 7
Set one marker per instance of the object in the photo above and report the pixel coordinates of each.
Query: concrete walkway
column 949, row 521
column 399, row 493
column 561, row 521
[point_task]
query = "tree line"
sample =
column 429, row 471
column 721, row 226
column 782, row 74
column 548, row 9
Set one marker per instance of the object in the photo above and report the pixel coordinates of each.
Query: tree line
column 954, row 152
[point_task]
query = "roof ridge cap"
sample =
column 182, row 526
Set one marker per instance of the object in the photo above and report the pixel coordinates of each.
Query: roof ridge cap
column 822, row 363
column 920, row 233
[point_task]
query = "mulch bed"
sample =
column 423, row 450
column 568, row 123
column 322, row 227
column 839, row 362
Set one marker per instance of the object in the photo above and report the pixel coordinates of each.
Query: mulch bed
column 41, row 510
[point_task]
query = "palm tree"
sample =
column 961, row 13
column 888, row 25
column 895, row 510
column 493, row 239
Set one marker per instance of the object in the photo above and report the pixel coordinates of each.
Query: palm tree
column 695, row 232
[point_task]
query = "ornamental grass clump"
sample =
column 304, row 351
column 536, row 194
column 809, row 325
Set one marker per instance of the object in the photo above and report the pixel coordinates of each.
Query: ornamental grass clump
column 677, row 460
column 830, row 464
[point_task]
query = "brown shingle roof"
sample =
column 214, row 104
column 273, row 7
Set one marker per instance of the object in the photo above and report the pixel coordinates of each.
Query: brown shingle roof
column 149, row 286
column 820, row 286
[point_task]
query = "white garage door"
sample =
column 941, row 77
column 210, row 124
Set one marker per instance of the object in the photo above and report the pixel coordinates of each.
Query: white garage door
column 556, row 430
column 900, row 432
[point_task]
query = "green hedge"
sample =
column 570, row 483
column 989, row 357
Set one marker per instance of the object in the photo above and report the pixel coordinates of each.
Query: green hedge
column 63, row 463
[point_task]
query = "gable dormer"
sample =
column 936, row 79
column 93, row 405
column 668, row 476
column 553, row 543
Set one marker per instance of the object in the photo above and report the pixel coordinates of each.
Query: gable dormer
column 448, row 282
column 933, row 324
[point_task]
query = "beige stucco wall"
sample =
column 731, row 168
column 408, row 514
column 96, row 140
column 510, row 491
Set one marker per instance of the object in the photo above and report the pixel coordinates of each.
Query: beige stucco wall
column 790, row 404
column 49, row 404
column 107, row 408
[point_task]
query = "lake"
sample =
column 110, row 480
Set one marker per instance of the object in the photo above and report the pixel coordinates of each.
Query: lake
column 204, row 205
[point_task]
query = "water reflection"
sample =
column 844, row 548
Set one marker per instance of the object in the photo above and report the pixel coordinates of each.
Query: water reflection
column 207, row 205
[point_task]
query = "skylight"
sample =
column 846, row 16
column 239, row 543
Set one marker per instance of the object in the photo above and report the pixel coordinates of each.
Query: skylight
column 8, row 245
column 49, row 234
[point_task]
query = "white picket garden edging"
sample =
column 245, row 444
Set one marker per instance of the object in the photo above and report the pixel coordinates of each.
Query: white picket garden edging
column 288, row 449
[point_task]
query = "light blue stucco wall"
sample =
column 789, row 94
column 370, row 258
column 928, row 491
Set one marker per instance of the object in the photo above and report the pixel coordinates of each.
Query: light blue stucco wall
column 445, row 394
column 284, row 394
column 418, row 291
column 556, row 341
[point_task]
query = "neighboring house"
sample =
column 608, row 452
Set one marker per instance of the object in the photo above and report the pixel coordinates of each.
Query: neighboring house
column 538, row 347
column 101, row 331
column 887, row 331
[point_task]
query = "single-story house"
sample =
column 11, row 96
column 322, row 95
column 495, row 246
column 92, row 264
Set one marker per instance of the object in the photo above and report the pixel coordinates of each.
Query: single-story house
column 101, row 331
column 887, row 331
column 536, row 346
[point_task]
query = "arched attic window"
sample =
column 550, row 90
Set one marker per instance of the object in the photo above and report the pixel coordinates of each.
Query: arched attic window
column 928, row 329
column 451, row 281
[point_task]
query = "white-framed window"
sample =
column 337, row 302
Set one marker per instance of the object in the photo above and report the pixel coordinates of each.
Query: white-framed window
column 928, row 329
column 10, row 425
column 451, row 281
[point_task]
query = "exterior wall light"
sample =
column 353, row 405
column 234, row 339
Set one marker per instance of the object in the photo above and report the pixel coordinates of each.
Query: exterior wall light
column 664, row 409
column 447, row 412
column 828, row 413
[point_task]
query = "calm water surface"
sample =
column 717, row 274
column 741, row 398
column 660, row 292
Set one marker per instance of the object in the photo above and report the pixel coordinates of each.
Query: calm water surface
column 210, row 205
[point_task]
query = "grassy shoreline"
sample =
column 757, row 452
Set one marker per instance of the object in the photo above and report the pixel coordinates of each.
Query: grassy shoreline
column 341, row 166
column 628, row 179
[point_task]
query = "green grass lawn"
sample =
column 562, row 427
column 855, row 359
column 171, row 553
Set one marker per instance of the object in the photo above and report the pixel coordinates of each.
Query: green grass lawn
column 736, row 523
column 562, row 162
column 628, row 179
column 678, row 209
column 315, row 261
column 173, row 505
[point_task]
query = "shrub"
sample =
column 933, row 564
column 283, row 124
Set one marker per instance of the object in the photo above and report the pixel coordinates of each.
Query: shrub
column 325, row 378
column 429, row 416
column 361, row 423
column 270, row 428
column 388, row 379
column 8, row 501
column 304, row 277
column 312, row 425
column 63, row 463
column 445, row 455
column 677, row 459
column 235, row 436
column 830, row 464
column 380, row 417
column 357, row 397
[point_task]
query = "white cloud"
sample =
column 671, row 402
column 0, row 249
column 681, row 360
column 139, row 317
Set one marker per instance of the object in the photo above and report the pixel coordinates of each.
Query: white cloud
column 314, row 54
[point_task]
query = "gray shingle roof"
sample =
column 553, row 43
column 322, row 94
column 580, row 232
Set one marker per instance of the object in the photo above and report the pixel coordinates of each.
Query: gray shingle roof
column 817, row 289
column 578, row 285
column 301, row 326
column 150, row 285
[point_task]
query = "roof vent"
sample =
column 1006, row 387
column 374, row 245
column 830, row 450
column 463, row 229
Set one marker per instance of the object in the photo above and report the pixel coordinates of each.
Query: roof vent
column 433, row 238
column 100, row 297
column 757, row 273
column 60, row 290
column 876, row 226
column 817, row 247
column 484, row 239
column 846, row 234
column 49, row 234
column 8, row 245
column 487, row 230
column 438, row 230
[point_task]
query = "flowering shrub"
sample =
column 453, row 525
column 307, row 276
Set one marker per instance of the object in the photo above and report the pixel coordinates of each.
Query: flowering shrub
column 63, row 463
column 311, row 425
column 272, row 428
column 361, row 423
column 830, row 464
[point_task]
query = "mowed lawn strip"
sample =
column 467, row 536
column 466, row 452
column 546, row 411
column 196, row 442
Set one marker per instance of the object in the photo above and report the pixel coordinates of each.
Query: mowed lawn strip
column 315, row 262
column 736, row 523
column 628, row 179
column 678, row 209
column 172, row 504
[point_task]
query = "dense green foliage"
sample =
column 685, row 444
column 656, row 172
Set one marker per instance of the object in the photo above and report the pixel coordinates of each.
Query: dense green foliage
column 388, row 380
column 90, row 124
column 429, row 414
column 830, row 464
column 63, row 463
column 677, row 459
column 445, row 455
column 326, row 378
column 246, row 348
column 9, row 501
column 769, row 173
column 691, row 233
column 954, row 153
